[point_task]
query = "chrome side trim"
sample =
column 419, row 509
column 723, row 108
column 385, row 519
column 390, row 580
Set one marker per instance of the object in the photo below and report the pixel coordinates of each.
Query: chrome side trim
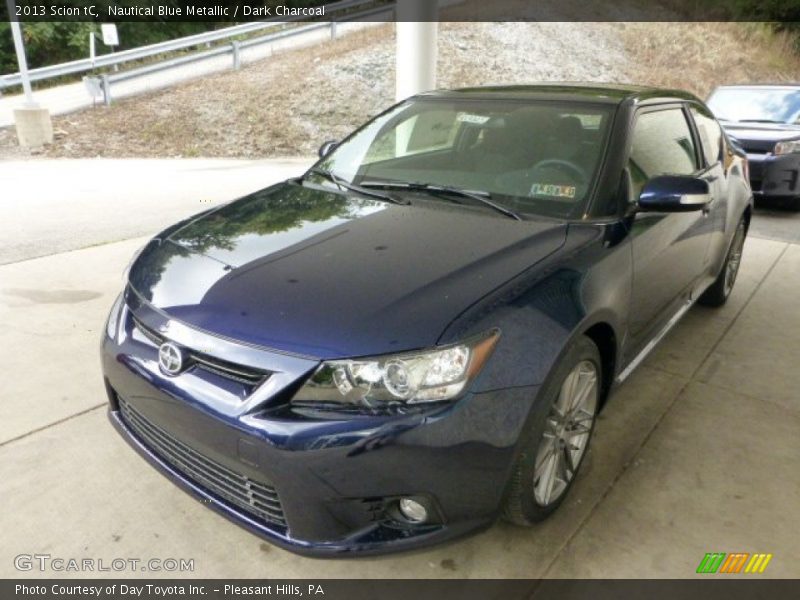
column 637, row 360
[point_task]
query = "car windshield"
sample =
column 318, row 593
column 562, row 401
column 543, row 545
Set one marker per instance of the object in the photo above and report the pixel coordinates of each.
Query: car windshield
column 766, row 105
column 532, row 158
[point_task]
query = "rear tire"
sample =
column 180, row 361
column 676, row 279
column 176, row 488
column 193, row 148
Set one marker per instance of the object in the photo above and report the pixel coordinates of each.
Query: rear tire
column 557, row 440
column 721, row 289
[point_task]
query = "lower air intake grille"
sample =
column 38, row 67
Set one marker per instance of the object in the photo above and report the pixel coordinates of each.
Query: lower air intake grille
column 257, row 498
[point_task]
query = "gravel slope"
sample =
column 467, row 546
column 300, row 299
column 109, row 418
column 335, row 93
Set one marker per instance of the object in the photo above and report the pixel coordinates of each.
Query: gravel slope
column 287, row 105
column 290, row 103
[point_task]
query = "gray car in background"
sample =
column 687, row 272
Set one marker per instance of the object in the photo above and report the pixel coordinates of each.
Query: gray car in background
column 764, row 121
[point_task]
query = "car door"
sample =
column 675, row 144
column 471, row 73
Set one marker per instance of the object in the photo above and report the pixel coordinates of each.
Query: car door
column 669, row 249
column 711, row 143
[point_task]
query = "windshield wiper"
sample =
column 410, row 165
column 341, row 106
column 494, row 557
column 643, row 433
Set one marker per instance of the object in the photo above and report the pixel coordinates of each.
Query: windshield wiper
column 479, row 196
column 346, row 185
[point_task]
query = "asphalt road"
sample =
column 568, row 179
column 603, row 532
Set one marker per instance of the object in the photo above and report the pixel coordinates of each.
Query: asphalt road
column 50, row 206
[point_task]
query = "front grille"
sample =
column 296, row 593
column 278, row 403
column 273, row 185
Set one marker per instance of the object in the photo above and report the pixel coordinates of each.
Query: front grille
column 757, row 146
column 246, row 375
column 756, row 168
column 257, row 498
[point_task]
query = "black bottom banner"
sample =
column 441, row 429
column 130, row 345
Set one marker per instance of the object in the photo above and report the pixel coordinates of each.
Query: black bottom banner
column 402, row 589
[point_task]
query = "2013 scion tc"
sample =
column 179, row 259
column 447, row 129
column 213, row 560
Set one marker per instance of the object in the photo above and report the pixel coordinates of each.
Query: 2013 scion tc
column 416, row 336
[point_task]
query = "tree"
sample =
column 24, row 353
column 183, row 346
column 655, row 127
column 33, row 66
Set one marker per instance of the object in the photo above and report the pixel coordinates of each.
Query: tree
column 53, row 42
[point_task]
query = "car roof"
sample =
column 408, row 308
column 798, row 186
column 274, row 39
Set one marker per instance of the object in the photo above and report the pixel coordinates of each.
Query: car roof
column 605, row 93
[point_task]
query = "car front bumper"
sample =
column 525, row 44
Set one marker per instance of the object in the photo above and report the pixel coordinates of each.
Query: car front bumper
column 332, row 485
column 774, row 176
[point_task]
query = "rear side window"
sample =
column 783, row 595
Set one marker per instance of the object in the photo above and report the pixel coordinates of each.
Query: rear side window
column 710, row 134
column 662, row 145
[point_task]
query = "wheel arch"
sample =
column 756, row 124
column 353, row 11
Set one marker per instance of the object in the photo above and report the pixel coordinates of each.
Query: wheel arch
column 605, row 338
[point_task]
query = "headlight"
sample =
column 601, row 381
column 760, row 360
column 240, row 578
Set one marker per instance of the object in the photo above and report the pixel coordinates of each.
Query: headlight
column 792, row 147
column 113, row 317
column 401, row 379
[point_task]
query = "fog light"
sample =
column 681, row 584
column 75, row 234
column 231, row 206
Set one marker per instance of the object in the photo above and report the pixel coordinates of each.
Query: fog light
column 413, row 510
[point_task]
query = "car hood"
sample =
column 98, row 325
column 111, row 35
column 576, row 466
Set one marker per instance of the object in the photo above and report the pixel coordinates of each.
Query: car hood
column 761, row 137
column 331, row 275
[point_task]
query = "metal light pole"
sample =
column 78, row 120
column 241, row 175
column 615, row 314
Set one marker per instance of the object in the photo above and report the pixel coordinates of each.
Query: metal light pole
column 19, row 46
column 417, row 36
column 34, row 127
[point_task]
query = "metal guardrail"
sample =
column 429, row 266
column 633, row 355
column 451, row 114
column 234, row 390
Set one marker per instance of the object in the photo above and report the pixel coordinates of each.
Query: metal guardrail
column 234, row 49
column 335, row 10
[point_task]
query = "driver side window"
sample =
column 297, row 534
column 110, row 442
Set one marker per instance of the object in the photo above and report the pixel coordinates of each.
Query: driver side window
column 662, row 145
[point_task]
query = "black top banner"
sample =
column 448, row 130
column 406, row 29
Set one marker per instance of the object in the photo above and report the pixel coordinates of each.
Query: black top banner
column 237, row 11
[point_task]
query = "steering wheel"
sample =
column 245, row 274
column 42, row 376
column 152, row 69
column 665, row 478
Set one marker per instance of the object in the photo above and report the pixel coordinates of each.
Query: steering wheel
column 564, row 165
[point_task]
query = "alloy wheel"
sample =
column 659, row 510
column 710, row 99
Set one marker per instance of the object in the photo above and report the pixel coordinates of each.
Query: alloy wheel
column 734, row 258
column 566, row 434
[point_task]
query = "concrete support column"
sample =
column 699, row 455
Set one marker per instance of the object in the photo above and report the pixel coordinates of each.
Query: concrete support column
column 34, row 127
column 417, row 35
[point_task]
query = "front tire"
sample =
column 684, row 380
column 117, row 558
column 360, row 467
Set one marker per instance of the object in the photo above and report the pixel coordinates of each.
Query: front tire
column 558, row 437
column 721, row 289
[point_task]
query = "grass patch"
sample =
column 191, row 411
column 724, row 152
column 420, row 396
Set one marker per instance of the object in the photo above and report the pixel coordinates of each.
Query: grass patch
column 700, row 56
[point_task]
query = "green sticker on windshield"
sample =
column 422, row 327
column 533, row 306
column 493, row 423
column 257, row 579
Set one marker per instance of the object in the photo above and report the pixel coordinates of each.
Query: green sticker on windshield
column 556, row 191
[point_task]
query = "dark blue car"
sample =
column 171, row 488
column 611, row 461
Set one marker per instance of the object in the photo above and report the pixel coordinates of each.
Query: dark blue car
column 415, row 337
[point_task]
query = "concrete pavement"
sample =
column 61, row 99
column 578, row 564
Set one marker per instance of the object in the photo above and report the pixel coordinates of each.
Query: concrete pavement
column 776, row 223
column 697, row 452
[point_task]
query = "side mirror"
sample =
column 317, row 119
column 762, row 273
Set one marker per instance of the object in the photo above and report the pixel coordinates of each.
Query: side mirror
column 327, row 148
column 674, row 193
